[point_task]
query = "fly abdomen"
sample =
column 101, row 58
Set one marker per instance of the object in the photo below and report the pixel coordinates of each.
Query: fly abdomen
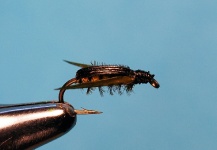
column 103, row 70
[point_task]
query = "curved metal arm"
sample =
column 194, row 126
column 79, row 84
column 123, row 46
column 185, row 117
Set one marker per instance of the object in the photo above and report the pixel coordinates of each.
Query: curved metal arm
column 27, row 126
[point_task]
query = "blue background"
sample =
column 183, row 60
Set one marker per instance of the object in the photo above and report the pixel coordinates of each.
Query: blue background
column 175, row 40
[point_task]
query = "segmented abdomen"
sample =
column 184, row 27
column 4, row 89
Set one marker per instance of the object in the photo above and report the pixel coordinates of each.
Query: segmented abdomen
column 107, row 70
column 95, row 73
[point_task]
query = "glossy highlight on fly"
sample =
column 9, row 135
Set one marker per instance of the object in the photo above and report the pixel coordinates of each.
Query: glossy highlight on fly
column 116, row 77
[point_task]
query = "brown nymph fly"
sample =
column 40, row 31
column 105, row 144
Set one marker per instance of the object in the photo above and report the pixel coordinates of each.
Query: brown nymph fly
column 115, row 77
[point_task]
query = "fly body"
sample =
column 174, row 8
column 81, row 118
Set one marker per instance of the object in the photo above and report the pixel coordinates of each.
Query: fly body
column 115, row 77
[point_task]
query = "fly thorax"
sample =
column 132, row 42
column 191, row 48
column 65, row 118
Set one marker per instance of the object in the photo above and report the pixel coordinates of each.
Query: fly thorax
column 141, row 77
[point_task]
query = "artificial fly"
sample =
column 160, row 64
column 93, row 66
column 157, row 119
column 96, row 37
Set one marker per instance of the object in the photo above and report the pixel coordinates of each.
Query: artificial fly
column 115, row 77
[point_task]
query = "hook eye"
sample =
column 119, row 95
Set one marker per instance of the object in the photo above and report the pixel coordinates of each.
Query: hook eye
column 154, row 83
